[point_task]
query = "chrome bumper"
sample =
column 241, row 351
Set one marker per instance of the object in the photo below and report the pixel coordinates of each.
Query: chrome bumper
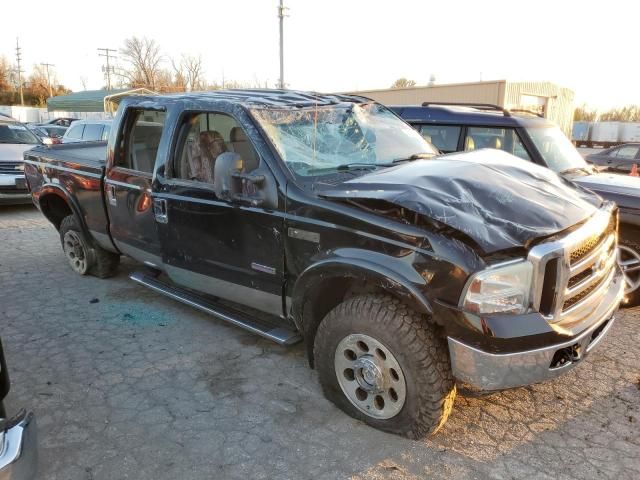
column 488, row 371
column 18, row 449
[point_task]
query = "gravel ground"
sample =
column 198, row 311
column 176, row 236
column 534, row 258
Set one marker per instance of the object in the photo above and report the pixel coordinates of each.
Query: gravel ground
column 129, row 385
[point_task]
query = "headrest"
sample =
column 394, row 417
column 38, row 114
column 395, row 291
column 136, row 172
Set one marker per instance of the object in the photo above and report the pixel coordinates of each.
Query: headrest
column 237, row 135
column 470, row 144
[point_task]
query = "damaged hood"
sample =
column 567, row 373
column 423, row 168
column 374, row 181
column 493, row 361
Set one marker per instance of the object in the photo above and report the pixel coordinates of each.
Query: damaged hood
column 498, row 200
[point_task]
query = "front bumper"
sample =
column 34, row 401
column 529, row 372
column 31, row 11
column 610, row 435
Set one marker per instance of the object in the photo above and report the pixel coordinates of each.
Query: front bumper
column 18, row 449
column 494, row 371
column 13, row 190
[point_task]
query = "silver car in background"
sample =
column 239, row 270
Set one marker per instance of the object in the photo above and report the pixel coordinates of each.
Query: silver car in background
column 15, row 139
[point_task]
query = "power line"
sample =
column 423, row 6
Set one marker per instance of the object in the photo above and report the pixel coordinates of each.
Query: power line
column 20, row 71
column 47, row 65
column 281, row 14
column 107, row 69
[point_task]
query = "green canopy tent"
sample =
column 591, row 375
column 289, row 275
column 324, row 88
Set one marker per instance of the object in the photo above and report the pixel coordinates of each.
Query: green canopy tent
column 93, row 100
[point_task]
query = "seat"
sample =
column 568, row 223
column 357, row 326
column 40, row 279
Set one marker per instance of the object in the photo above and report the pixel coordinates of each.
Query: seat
column 211, row 146
column 469, row 144
column 495, row 142
column 240, row 144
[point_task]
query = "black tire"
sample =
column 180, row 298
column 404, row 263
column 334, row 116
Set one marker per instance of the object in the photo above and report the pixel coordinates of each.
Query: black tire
column 97, row 261
column 631, row 242
column 421, row 354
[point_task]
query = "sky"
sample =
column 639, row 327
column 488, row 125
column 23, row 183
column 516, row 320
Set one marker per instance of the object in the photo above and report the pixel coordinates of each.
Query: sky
column 332, row 45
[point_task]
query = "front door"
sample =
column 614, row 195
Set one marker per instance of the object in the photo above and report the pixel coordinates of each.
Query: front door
column 220, row 233
column 128, row 185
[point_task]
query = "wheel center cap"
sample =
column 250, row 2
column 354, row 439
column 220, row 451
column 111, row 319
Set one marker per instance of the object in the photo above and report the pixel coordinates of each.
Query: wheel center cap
column 368, row 375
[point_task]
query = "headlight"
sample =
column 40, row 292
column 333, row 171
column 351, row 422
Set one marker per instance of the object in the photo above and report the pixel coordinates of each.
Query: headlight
column 499, row 289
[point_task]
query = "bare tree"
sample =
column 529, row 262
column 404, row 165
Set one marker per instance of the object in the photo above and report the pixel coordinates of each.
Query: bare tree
column 188, row 73
column 584, row 113
column 144, row 59
column 629, row 113
column 403, row 83
column 39, row 85
column 5, row 75
column 83, row 81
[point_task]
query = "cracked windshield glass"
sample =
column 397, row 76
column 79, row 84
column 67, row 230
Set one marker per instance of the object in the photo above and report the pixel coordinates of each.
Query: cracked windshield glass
column 326, row 139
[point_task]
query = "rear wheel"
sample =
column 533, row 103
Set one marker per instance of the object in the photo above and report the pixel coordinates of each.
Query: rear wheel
column 629, row 260
column 382, row 363
column 85, row 257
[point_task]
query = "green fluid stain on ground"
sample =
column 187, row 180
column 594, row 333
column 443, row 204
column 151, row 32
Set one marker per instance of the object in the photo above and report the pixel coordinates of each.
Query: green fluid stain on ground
column 136, row 314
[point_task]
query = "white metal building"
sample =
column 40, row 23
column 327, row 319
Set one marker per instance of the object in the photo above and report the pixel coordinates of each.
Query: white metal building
column 548, row 99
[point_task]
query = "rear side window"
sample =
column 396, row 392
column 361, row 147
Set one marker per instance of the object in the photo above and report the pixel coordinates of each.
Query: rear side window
column 75, row 132
column 499, row 138
column 92, row 132
column 625, row 152
column 140, row 139
column 443, row 137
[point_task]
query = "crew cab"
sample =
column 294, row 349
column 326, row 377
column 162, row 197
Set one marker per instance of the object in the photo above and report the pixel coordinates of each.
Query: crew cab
column 327, row 218
column 18, row 437
column 459, row 127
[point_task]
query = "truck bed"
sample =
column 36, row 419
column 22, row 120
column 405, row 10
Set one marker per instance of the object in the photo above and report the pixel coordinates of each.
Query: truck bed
column 91, row 154
column 74, row 171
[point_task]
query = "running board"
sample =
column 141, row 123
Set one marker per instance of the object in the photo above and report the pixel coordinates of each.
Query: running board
column 280, row 335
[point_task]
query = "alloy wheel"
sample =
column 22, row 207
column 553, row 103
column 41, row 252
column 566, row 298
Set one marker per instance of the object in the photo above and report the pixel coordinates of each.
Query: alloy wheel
column 370, row 376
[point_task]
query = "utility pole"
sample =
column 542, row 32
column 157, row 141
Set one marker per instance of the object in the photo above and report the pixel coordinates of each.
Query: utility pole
column 47, row 65
column 107, row 69
column 20, row 71
column 281, row 15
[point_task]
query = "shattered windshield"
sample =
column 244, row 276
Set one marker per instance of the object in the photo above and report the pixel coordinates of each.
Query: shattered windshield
column 325, row 139
column 558, row 152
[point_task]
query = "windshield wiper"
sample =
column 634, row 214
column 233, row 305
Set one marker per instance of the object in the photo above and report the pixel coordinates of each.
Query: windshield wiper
column 345, row 167
column 586, row 170
column 415, row 156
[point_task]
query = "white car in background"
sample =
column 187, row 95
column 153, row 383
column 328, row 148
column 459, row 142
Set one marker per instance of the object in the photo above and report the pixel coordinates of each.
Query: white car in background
column 15, row 139
column 87, row 131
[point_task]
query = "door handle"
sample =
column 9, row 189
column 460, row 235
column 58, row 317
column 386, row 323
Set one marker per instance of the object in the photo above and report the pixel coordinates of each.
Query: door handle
column 111, row 193
column 160, row 210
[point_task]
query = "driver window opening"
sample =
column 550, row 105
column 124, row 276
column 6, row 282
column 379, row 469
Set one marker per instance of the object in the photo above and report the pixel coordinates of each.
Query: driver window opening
column 208, row 141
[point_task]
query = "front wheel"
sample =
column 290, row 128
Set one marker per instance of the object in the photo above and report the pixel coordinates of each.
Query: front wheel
column 629, row 260
column 382, row 363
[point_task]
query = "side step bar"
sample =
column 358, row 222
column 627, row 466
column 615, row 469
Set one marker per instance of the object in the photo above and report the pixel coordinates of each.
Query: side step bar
column 280, row 335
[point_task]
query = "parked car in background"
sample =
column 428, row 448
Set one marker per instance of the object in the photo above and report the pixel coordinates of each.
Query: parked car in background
column 326, row 218
column 617, row 159
column 15, row 139
column 61, row 121
column 464, row 127
column 87, row 131
column 49, row 134
column 18, row 442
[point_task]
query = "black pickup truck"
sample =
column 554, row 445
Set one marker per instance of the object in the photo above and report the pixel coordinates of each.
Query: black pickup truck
column 327, row 218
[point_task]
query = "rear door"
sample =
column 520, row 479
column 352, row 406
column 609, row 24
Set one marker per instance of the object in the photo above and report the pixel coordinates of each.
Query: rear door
column 128, row 185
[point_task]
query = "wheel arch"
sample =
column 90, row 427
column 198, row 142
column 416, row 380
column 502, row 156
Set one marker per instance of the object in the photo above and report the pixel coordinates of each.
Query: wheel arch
column 56, row 203
column 324, row 285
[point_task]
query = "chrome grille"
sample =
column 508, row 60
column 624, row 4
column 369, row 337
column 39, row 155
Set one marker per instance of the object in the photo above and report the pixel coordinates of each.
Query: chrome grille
column 11, row 167
column 584, row 266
